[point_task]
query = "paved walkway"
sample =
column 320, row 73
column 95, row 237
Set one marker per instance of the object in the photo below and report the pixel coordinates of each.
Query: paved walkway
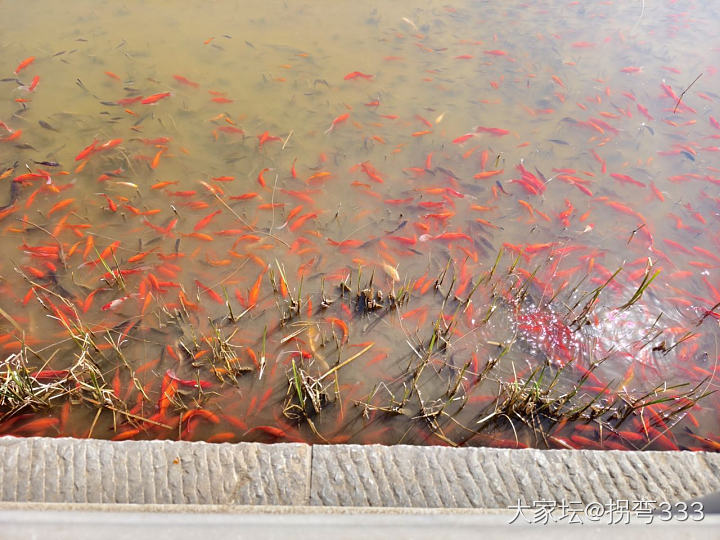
column 282, row 523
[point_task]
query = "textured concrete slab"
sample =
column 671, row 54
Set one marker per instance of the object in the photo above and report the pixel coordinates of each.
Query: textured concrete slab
column 152, row 472
column 48, row 470
column 497, row 478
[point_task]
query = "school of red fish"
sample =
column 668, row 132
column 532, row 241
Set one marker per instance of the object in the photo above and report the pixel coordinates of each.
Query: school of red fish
column 183, row 227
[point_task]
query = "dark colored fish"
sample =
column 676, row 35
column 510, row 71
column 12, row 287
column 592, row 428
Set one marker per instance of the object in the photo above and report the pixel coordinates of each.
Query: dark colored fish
column 45, row 125
column 541, row 175
column 14, row 192
column 141, row 120
column 53, row 278
column 447, row 172
column 396, row 229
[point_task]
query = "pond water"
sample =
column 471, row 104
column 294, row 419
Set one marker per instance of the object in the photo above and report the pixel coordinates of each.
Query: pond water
column 477, row 223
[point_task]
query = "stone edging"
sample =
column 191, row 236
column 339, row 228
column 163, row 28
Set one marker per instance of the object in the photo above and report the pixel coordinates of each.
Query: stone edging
column 46, row 470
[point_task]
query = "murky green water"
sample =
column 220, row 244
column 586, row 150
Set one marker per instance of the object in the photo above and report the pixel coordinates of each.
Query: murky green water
column 370, row 223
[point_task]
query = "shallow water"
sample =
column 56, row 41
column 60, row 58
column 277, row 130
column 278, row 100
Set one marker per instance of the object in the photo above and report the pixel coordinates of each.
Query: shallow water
column 177, row 263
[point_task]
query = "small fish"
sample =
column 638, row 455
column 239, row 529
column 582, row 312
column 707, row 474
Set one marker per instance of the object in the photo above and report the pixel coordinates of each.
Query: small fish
column 266, row 137
column 87, row 151
column 129, row 101
column 356, row 74
column 206, row 220
column 81, row 85
column 447, row 172
column 189, row 383
column 115, row 303
column 153, row 99
column 497, row 132
column 185, row 81
column 25, row 63
column 627, row 179
column 462, row 138
column 408, row 21
column 488, row 174
column 45, row 125
column 212, row 294
column 340, row 119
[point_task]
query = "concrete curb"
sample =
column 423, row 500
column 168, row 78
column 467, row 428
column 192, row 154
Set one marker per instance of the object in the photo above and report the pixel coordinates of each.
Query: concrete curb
column 46, row 470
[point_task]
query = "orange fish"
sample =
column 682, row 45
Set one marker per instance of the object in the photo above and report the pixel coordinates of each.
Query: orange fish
column 87, row 151
column 339, row 120
column 183, row 80
column 462, row 138
column 14, row 135
column 161, row 185
column 266, row 137
column 255, row 291
column 111, row 204
column 243, row 197
column 204, row 221
column 155, row 98
column 212, row 294
column 25, row 63
column 302, row 219
column 356, row 74
column 156, row 159
column 129, row 101
column 488, row 174
column 270, row 430
column 60, row 206
column 343, row 326
column 260, row 178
